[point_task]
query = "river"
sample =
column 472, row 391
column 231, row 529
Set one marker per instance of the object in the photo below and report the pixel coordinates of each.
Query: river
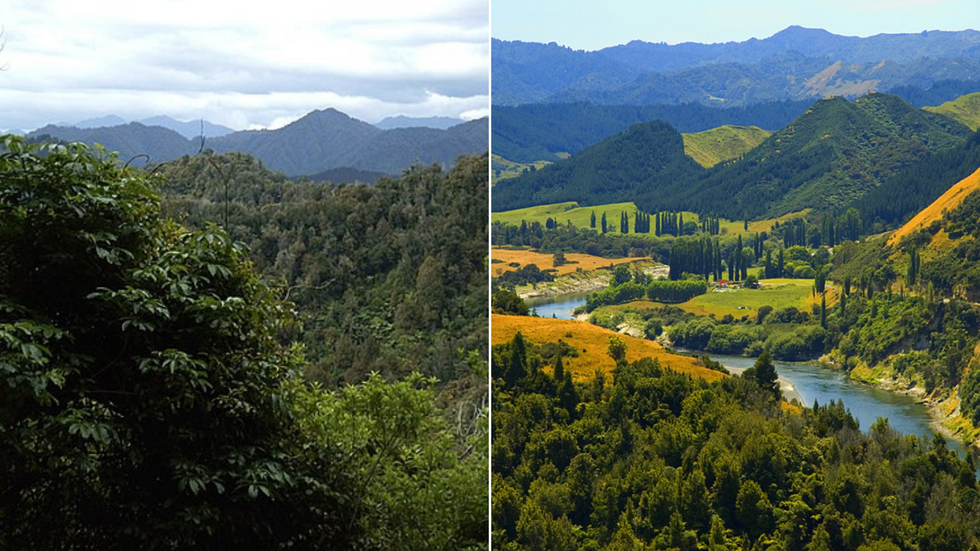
column 560, row 306
column 805, row 382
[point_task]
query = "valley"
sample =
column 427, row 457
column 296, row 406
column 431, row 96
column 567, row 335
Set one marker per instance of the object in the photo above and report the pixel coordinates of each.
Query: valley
column 808, row 202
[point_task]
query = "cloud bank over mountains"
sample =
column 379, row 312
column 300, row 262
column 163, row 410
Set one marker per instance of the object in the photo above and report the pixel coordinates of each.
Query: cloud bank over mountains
column 263, row 66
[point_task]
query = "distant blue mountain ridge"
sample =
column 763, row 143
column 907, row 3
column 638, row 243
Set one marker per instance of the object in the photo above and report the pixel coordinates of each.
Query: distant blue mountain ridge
column 321, row 140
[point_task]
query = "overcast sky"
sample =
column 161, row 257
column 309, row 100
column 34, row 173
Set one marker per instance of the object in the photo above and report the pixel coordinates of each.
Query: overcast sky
column 241, row 64
column 594, row 24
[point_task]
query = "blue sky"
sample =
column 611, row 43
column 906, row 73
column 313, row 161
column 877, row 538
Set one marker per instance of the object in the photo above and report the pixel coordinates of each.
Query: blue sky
column 595, row 24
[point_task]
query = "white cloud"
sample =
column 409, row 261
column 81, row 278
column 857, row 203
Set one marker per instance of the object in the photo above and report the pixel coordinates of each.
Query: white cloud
column 243, row 66
column 236, row 110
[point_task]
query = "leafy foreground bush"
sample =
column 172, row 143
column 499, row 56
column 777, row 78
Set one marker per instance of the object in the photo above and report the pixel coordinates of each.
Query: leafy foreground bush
column 147, row 399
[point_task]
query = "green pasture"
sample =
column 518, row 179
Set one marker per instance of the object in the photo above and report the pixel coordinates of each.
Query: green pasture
column 580, row 216
column 501, row 168
column 777, row 293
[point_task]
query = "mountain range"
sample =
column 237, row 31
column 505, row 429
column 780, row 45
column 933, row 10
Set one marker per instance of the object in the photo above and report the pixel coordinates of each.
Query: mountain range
column 401, row 121
column 795, row 62
column 187, row 129
column 321, row 140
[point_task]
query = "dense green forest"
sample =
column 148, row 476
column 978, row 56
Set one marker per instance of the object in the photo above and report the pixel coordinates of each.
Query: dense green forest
column 825, row 159
column 938, row 93
column 535, row 132
column 389, row 278
column 153, row 392
column 902, row 196
column 648, row 158
column 653, row 459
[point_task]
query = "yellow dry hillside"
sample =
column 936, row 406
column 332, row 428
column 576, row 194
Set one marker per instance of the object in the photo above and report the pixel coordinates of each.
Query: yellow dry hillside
column 591, row 341
column 934, row 212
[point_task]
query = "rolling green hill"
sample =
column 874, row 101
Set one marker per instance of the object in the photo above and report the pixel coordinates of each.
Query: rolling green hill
column 713, row 146
column 831, row 155
column 648, row 156
column 825, row 159
column 538, row 132
column 965, row 109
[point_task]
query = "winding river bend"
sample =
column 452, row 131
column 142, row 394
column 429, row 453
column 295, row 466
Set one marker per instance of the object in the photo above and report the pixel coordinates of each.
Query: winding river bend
column 805, row 382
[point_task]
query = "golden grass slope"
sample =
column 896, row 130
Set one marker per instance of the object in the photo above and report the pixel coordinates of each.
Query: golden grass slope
column 965, row 109
column 934, row 212
column 711, row 147
column 545, row 261
column 591, row 341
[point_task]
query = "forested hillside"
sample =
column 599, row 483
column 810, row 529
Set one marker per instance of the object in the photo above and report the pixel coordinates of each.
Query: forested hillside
column 153, row 394
column 389, row 277
column 827, row 158
column 831, row 155
column 647, row 158
column 939, row 92
column 902, row 196
column 537, row 132
column 652, row 459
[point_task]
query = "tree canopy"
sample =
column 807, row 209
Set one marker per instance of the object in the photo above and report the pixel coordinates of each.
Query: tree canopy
column 149, row 397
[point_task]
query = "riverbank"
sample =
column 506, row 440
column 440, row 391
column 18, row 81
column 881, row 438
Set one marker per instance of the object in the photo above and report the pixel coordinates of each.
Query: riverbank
column 942, row 403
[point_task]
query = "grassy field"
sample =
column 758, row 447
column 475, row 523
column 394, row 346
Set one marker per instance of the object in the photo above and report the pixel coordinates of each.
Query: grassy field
column 581, row 217
column 736, row 227
column 591, row 342
column 946, row 202
column 778, row 293
column 965, row 109
column 574, row 261
column 713, row 146
column 510, row 169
